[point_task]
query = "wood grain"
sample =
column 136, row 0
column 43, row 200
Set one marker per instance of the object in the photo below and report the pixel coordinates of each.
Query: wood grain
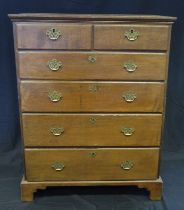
column 80, row 131
column 78, row 97
column 35, row 96
column 91, row 91
column 105, row 166
column 108, row 66
column 152, row 37
column 108, row 97
column 33, row 36
column 155, row 186
column 91, row 17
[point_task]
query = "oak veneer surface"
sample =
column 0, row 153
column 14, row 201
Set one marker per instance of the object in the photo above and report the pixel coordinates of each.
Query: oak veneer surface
column 84, row 131
column 108, row 65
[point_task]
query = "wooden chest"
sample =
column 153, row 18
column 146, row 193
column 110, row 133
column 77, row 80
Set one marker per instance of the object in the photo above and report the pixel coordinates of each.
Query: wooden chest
column 92, row 99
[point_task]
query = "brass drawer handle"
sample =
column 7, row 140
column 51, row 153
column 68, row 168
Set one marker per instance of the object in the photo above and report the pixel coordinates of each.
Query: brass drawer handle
column 132, row 34
column 129, row 96
column 128, row 131
column 58, row 166
column 91, row 59
column 54, row 65
column 55, row 96
column 130, row 66
column 57, row 131
column 53, row 33
column 127, row 165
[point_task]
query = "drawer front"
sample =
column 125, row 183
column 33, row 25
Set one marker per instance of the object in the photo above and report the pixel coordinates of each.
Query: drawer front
column 91, row 164
column 91, row 97
column 91, row 130
column 131, row 37
column 90, row 66
column 53, row 36
column 49, row 96
column 123, row 97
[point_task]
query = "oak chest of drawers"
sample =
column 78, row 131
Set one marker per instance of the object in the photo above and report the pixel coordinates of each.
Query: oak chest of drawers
column 92, row 99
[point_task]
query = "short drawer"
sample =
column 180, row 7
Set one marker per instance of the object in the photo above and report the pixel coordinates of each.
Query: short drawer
column 92, row 129
column 91, row 164
column 53, row 36
column 131, row 37
column 44, row 96
column 90, row 66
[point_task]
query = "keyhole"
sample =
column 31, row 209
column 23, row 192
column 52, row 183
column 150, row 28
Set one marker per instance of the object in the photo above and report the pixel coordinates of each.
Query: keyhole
column 93, row 154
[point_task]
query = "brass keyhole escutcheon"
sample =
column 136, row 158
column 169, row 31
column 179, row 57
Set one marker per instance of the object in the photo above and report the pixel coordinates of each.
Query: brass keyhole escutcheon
column 127, row 165
column 55, row 96
column 132, row 34
column 129, row 97
column 92, row 59
column 57, row 166
column 57, row 131
column 54, row 65
column 53, row 33
column 92, row 154
column 92, row 120
column 128, row 131
column 93, row 88
column 130, row 66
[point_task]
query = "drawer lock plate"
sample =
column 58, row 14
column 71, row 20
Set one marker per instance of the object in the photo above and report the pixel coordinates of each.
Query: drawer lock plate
column 53, row 33
column 132, row 34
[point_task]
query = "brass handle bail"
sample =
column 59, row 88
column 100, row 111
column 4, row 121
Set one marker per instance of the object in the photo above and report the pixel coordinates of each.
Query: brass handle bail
column 55, row 96
column 127, row 165
column 128, row 131
column 57, row 131
column 129, row 96
column 57, row 166
column 54, row 65
column 130, row 66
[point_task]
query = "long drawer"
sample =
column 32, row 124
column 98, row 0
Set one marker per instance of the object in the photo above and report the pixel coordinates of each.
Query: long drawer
column 91, row 164
column 92, row 129
column 53, row 36
column 131, row 37
column 92, row 65
column 49, row 96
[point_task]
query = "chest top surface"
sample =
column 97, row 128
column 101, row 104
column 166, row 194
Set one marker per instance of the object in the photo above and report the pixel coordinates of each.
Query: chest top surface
column 114, row 17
